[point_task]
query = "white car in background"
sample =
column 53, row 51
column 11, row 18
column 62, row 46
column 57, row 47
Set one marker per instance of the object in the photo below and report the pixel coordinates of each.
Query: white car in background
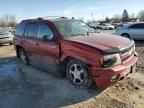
column 6, row 37
column 134, row 31
column 107, row 27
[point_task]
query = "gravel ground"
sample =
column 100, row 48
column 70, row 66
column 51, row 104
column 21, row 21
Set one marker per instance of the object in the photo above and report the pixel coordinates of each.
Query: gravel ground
column 27, row 87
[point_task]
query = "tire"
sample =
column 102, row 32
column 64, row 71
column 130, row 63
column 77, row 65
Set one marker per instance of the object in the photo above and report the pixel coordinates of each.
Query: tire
column 125, row 35
column 10, row 43
column 23, row 56
column 78, row 73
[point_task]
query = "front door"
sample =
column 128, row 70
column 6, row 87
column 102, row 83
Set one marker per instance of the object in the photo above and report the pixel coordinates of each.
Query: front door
column 47, row 48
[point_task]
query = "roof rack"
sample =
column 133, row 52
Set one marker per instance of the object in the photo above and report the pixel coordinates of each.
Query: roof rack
column 46, row 17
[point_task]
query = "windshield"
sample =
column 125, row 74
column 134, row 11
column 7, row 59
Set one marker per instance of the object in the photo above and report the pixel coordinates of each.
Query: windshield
column 73, row 28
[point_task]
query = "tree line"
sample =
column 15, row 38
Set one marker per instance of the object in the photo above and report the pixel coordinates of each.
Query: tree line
column 121, row 18
column 8, row 21
column 11, row 21
column 125, row 17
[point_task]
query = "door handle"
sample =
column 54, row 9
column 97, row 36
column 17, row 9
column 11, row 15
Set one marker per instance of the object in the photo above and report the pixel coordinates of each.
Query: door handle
column 37, row 44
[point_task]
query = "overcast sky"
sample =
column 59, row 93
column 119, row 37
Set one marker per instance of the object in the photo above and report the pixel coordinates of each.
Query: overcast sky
column 24, row 9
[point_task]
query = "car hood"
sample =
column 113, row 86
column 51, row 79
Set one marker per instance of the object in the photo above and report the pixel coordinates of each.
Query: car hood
column 101, row 41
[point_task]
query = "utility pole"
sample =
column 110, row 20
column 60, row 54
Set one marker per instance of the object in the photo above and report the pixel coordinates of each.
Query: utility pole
column 62, row 8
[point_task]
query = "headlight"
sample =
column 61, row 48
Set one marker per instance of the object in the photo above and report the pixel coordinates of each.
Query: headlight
column 110, row 60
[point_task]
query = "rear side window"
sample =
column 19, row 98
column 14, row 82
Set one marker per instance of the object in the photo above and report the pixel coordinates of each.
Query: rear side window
column 20, row 29
column 30, row 30
column 137, row 26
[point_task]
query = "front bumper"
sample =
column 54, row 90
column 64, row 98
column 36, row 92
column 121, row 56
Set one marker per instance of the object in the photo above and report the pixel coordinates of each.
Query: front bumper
column 103, row 76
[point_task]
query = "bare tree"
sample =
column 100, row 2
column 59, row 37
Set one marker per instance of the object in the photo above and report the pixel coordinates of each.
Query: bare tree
column 141, row 15
column 12, row 21
column 8, row 21
column 2, row 23
column 116, row 19
column 132, row 16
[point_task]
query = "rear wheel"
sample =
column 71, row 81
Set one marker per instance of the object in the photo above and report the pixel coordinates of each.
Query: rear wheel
column 23, row 56
column 78, row 73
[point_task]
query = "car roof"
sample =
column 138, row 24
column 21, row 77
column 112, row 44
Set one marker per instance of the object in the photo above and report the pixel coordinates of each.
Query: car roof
column 130, row 24
column 135, row 23
column 50, row 19
column 60, row 19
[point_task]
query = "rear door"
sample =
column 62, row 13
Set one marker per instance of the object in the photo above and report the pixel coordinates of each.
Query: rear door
column 47, row 48
column 30, row 38
column 137, row 31
column 19, row 34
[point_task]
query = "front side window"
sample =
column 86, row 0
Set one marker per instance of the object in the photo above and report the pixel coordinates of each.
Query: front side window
column 72, row 28
column 44, row 32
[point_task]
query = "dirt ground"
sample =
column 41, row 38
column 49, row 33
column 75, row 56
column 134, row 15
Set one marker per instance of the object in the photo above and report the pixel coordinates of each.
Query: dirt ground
column 27, row 87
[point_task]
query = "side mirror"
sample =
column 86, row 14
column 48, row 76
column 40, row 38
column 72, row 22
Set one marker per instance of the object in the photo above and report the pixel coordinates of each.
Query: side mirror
column 48, row 37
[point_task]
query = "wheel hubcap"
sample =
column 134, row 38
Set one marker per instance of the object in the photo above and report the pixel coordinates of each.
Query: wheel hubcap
column 77, row 74
column 22, row 56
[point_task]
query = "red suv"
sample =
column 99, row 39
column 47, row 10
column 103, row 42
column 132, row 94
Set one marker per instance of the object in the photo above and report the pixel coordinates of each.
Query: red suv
column 71, row 48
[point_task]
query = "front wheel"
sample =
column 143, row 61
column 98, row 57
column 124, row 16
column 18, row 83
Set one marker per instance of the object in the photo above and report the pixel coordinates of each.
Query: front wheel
column 23, row 56
column 78, row 73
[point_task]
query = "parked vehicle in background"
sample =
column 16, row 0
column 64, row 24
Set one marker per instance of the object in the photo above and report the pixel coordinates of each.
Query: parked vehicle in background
column 71, row 48
column 134, row 31
column 98, row 26
column 105, row 26
column 95, row 25
column 6, row 37
column 120, row 25
column 117, row 25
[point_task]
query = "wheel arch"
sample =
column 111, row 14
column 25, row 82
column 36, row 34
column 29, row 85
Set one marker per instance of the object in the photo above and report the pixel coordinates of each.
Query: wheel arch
column 125, row 34
column 65, row 60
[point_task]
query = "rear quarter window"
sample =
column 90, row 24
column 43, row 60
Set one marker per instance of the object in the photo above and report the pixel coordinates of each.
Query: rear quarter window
column 20, row 29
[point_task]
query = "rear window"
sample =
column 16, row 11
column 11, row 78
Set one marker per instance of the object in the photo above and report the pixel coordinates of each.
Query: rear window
column 137, row 26
column 20, row 29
